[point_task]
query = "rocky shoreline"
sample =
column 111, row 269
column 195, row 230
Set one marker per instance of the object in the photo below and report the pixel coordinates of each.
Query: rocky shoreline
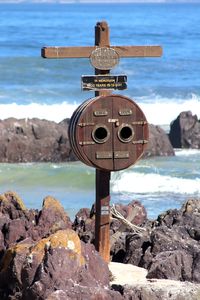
column 45, row 255
column 35, row 140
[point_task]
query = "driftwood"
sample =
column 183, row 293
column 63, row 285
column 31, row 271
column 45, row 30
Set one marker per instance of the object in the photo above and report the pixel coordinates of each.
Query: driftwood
column 126, row 222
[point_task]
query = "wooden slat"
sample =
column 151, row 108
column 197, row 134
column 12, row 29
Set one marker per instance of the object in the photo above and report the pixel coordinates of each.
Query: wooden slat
column 66, row 52
column 80, row 52
column 138, row 51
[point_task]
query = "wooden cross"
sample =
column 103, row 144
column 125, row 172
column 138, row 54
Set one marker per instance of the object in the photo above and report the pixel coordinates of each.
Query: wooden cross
column 102, row 39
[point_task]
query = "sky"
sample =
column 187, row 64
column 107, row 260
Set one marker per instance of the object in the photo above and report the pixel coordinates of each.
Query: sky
column 108, row 1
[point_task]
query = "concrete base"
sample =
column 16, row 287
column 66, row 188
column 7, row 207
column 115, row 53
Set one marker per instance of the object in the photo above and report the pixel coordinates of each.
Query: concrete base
column 127, row 274
column 134, row 278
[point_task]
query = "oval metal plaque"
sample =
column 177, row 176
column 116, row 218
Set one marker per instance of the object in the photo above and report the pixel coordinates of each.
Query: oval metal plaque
column 104, row 58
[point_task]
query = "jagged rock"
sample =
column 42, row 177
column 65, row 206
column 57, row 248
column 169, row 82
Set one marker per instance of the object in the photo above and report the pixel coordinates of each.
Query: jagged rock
column 84, row 224
column 52, row 217
column 159, row 143
column 28, row 140
column 14, row 231
column 135, row 247
column 36, row 264
column 83, row 293
column 51, row 263
column 175, row 264
column 176, row 238
column 185, row 131
column 136, row 214
column 12, row 205
column 161, row 290
column 11, row 267
column 14, row 218
column 17, row 223
column 60, row 263
column 170, row 246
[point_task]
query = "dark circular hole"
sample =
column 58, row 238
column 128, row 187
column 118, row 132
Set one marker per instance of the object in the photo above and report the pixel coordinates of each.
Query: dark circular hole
column 100, row 134
column 126, row 133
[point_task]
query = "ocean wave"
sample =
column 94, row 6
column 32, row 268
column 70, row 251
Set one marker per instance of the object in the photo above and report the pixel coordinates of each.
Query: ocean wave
column 53, row 112
column 187, row 152
column 142, row 183
column 162, row 111
column 159, row 111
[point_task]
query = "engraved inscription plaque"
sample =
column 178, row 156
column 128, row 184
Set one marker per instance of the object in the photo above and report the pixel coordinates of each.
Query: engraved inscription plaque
column 104, row 58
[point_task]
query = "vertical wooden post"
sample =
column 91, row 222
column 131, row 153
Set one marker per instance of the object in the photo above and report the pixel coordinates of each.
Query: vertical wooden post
column 102, row 217
column 102, row 39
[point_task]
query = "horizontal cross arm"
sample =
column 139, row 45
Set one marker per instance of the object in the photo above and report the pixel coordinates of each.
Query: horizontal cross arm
column 80, row 52
column 66, row 52
column 138, row 51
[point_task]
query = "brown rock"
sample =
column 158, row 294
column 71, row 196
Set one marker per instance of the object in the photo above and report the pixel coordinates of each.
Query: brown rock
column 14, row 218
column 52, row 217
column 135, row 247
column 12, row 205
column 14, row 231
column 162, row 290
column 170, row 246
column 136, row 214
column 83, row 293
column 2, row 245
column 27, row 140
column 98, row 272
column 64, row 248
column 11, row 267
column 159, row 143
column 60, row 262
column 84, row 224
column 185, row 131
column 17, row 223
column 175, row 265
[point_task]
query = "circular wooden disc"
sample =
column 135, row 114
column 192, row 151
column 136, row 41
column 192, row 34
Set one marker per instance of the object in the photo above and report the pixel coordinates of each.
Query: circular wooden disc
column 109, row 132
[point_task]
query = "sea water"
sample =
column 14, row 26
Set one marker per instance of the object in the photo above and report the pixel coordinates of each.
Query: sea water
column 31, row 86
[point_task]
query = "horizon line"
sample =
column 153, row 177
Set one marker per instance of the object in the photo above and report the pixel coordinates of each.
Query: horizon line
column 97, row 1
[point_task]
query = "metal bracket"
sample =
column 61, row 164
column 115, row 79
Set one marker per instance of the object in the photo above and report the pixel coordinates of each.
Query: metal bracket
column 85, row 124
column 139, row 123
column 140, row 142
column 100, row 113
column 125, row 112
column 86, row 143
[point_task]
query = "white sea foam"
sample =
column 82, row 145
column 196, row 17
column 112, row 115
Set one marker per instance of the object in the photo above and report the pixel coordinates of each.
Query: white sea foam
column 162, row 111
column 158, row 111
column 54, row 112
column 154, row 183
column 187, row 152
